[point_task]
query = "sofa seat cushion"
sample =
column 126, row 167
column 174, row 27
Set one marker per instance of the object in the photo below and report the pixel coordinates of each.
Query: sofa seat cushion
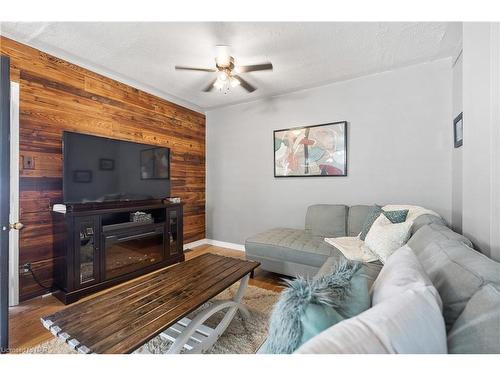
column 458, row 272
column 291, row 245
column 432, row 233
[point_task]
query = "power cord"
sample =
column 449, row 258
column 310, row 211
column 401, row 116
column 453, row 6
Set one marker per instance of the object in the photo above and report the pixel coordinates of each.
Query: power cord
column 28, row 268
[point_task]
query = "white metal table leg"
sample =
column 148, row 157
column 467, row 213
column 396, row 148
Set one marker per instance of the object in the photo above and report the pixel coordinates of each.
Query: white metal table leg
column 194, row 325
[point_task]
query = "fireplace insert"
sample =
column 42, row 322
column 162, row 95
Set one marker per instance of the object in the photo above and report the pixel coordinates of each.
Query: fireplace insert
column 128, row 250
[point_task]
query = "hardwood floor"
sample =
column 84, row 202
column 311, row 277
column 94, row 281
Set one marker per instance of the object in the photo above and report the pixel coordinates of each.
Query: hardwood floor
column 25, row 329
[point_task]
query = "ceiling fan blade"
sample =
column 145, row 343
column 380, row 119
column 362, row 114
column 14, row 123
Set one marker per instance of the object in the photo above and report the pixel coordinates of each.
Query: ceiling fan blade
column 247, row 86
column 254, row 68
column 196, row 69
column 210, row 86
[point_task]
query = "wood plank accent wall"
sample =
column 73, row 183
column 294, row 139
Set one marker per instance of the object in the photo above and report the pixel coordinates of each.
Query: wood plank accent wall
column 56, row 95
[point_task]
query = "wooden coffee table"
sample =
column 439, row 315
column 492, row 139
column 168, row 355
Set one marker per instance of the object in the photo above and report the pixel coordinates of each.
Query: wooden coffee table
column 122, row 319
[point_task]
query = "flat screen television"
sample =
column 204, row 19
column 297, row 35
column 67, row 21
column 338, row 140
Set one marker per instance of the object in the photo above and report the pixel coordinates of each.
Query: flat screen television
column 97, row 169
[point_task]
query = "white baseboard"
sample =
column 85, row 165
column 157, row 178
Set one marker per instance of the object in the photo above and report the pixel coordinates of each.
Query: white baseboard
column 229, row 245
column 208, row 241
column 195, row 243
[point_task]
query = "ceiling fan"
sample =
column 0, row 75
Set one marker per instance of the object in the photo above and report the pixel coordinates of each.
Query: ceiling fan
column 228, row 72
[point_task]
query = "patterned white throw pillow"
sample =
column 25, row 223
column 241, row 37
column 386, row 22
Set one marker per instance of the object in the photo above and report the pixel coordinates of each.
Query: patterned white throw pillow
column 385, row 237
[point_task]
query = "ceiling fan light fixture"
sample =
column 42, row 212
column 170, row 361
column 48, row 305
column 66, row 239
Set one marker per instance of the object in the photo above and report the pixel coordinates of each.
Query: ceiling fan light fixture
column 235, row 82
column 223, row 58
column 219, row 84
column 222, row 76
column 227, row 73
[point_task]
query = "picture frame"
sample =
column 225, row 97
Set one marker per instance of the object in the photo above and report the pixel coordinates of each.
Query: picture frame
column 155, row 164
column 458, row 131
column 311, row 151
column 82, row 176
column 106, row 164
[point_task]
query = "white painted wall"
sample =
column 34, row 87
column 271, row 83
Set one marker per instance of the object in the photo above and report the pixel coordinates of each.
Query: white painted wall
column 456, row 168
column 481, row 174
column 399, row 145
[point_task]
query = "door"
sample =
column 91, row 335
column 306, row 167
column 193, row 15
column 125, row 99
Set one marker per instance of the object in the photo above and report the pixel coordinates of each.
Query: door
column 174, row 227
column 4, row 200
column 87, row 246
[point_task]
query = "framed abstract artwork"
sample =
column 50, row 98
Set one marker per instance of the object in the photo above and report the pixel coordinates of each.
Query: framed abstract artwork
column 311, row 151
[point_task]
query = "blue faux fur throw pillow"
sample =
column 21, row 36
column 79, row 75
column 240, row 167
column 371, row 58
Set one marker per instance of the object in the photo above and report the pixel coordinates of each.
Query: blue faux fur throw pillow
column 285, row 327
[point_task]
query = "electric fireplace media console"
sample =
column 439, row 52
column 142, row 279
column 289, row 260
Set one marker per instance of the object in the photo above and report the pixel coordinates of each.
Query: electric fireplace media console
column 102, row 244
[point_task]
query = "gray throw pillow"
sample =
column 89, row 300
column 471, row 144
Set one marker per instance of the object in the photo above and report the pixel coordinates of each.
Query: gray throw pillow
column 396, row 217
column 373, row 214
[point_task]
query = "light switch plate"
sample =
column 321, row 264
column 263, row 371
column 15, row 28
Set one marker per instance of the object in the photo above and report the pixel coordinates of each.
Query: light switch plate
column 28, row 162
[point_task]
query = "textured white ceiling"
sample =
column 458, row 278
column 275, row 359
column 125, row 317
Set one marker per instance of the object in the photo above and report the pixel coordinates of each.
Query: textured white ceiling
column 303, row 54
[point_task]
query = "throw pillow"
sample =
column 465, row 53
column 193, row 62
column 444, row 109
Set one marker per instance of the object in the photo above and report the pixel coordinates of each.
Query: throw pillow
column 373, row 214
column 409, row 323
column 477, row 329
column 384, row 237
column 308, row 307
column 396, row 216
column 352, row 248
column 402, row 271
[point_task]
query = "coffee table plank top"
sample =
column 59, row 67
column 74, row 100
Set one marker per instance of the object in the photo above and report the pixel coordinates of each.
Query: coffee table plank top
column 122, row 319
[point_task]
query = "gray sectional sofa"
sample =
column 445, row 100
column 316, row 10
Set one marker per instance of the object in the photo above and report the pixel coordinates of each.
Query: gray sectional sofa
column 295, row 252
column 468, row 282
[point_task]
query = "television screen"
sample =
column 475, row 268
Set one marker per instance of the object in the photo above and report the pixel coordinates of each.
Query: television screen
column 97, row 169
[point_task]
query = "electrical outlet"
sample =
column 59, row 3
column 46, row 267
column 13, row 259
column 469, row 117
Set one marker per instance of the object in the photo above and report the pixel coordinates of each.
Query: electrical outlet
column 28, row 162
column 26, row 268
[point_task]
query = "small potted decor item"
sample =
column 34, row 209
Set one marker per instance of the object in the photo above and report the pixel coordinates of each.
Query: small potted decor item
column 141, row 217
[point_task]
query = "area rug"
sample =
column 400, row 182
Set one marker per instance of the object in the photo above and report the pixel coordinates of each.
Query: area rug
column 243, row 336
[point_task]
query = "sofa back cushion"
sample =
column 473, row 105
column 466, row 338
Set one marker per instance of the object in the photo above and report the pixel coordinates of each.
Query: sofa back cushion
column 327, row 220
column 433, row 233
column 402, row 271
column 458, row 272
column 477, row 329
column 426, row 219
column 356, row 217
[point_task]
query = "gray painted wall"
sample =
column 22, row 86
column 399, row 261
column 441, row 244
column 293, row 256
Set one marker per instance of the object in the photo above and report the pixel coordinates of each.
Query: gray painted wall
column 399, row 145
column 456, row 190
column 481, row 164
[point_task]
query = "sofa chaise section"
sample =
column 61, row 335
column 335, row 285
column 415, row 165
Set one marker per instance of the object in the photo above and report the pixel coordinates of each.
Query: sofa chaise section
column 301, row 252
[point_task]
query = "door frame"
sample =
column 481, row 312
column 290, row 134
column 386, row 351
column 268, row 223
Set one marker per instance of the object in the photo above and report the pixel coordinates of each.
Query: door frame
column 14, row 195
column 4, row 201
